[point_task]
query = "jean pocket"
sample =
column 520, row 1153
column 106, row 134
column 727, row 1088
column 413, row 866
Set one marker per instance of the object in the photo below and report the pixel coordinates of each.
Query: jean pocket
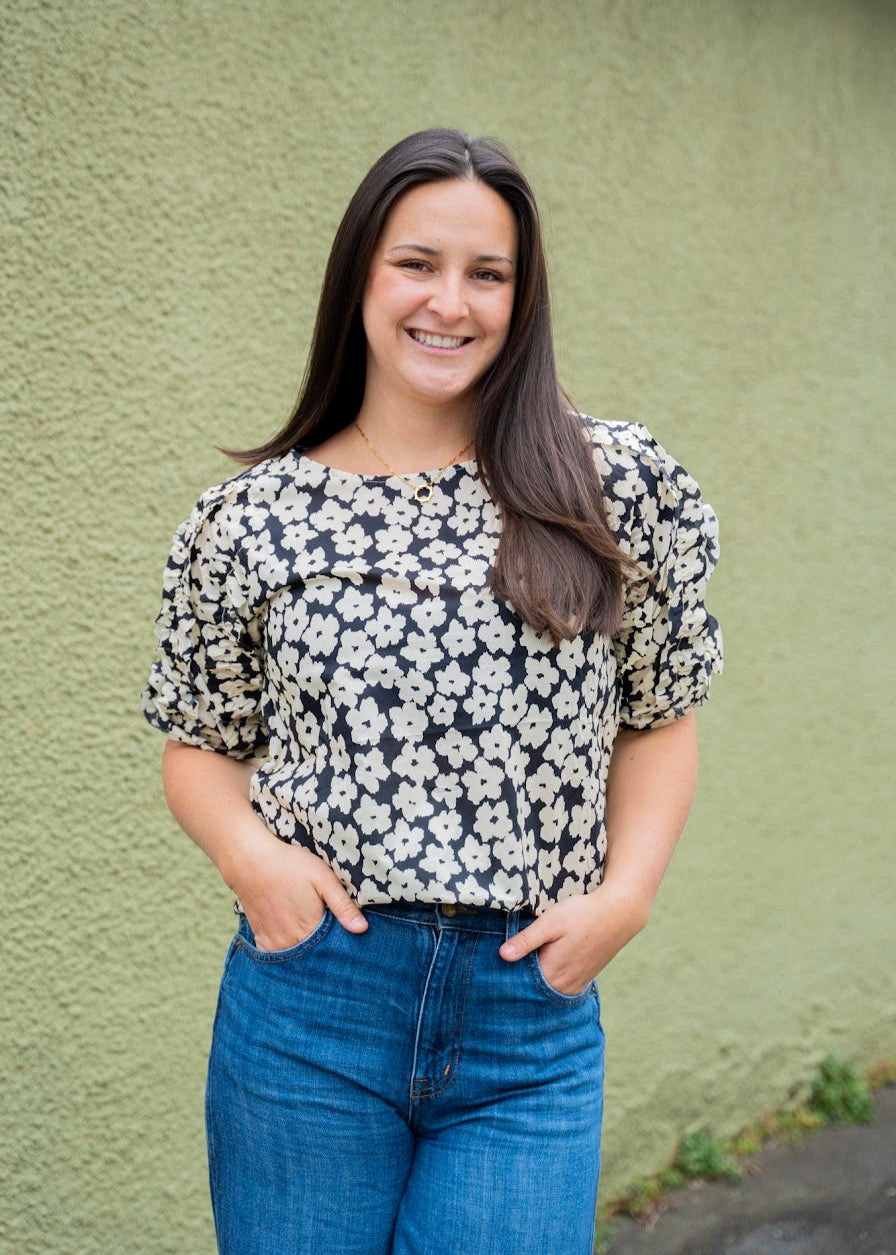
column 246, row 940
column 544, row 986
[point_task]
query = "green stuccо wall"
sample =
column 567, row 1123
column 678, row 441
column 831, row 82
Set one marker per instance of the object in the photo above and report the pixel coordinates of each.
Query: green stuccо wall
column 718, row 183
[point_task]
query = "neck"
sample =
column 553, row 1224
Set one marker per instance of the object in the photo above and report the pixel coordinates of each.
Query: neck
column 411, row 438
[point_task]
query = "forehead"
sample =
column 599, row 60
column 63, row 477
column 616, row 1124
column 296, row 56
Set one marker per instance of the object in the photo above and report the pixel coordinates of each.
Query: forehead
column 455, row 213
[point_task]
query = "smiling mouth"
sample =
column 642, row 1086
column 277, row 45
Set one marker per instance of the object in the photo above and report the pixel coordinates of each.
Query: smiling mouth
column 437, row 342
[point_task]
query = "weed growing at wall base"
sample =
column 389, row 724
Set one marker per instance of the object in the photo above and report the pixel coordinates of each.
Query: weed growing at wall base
column 838, row 1096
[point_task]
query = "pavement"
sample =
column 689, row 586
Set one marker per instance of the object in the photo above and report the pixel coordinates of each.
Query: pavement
column 834, row 1195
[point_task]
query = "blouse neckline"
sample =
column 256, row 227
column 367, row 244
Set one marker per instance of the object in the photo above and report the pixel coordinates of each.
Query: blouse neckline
column 441, row 471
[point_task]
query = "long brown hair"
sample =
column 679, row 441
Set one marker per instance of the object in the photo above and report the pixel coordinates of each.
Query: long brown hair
column 557, row 560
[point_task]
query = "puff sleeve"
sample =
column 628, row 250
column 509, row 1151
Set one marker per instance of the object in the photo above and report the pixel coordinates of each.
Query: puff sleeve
column 669, row 645
column 206, row 686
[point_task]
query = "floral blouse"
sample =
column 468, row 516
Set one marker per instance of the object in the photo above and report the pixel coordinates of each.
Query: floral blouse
column 415, row 732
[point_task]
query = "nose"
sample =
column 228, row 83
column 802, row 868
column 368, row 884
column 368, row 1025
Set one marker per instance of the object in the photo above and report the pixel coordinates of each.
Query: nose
column 448, row 300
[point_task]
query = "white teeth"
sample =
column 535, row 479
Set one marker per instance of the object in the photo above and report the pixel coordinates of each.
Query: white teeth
column 437, row 342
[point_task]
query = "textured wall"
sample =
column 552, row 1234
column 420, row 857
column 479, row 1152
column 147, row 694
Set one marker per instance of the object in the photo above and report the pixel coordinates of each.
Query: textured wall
column 719, row 183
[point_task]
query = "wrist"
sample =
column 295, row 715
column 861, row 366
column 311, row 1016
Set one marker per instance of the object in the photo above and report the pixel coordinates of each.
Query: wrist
column 237, row 859
column 626, row 898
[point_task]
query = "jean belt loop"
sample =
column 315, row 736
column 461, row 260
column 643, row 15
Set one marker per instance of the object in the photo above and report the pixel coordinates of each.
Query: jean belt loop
column 512, row 925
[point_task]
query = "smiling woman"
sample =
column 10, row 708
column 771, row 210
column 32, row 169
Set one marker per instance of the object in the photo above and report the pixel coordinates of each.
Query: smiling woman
column 436, row 311
column 428, row 669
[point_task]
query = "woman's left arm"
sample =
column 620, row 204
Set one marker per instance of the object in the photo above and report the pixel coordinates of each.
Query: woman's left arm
column 650, row 787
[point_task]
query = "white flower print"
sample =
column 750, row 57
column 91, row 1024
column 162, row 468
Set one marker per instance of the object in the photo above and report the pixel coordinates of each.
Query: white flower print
column 535, row 732
column 441, row 862
column 343, row 793
column 375, row 862
column 492, row 673
column 322, row 635
column 350, row 541
column 477, row 609
column 387, row 628
column 464, row 520
column 559, row 748
column 514, row 703
column 447, row 790
column 554, row 818
column 412, row 800
column 480, row 705
column 408, row 723
column 541, row 675
column 427, row 527
column 372, row 817
column 474, row 855
column 581, row 822
column 417, row 762
column 440, row 552
column 542, row 784
column 456, row 748
column 446, row 826
column 505, row 888
column 453, row 680
column 404, row 841
column 354, row 646
column 404, row 885
column 408, row 713
column 442, row 710
column 492, row 820
column 414, row 687
column 495, row 743
column 371, row 770
column 344, row 844
column 548, row 864
column 566, row 703
column 355, row 604
column 578, row 861
column 366, row 722
column 459, row 640
column 430, row 614
column 466, row 569
column 483, row 781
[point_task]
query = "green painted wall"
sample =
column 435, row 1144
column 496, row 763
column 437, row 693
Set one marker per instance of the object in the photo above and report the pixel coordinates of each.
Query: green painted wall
column 719, row 187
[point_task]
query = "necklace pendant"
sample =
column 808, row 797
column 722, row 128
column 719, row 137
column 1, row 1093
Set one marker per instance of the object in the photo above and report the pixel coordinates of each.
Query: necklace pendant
column 423, row 494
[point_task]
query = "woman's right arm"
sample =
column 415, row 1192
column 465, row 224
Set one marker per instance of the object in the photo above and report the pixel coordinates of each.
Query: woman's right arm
column 282, row 888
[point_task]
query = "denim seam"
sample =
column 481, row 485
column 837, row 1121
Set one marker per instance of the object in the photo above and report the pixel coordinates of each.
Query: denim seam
column 454, row 1052
column 294, row 952
column 547, row 990
column 412, row 1098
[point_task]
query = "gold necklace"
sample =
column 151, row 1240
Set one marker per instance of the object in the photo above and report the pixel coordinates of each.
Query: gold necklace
column 422, row 492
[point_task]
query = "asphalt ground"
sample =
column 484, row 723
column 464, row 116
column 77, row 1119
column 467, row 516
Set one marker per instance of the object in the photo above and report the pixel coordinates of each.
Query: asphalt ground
column 834, row 1195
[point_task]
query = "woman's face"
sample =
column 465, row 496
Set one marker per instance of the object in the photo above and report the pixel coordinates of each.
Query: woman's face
column 439, row 294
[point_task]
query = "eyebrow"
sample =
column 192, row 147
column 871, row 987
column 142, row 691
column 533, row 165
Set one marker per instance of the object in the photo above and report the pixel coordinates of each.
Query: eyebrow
column 435, row 252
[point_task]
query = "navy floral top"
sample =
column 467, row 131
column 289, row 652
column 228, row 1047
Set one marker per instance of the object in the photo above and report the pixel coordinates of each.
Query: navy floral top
column 416, row 733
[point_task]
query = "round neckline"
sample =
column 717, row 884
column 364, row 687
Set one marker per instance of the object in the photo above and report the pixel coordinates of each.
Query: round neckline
column 376, row 477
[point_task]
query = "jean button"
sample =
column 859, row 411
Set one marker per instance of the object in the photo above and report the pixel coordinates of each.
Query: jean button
column 449, row 909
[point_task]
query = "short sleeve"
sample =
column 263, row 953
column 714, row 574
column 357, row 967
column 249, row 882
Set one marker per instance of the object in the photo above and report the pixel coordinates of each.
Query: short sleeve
column 669, row 644
column 206, row 685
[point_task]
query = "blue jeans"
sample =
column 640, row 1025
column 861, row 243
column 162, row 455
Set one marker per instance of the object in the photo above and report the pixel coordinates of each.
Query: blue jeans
column 404, row 1091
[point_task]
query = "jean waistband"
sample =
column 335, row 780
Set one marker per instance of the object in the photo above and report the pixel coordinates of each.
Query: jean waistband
column 480, row 919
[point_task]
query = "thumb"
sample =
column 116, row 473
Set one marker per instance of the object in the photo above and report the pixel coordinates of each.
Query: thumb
column 526, row 940
column 342, row 906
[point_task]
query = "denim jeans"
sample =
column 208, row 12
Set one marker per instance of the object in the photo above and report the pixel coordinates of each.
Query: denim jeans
column 405, row 1091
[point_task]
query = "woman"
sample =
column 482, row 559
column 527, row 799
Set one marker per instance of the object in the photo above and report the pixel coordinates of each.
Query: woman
column 465, row 625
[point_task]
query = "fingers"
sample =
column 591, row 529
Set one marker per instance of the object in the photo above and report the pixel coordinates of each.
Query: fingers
column 345, row 910
column 527, row 940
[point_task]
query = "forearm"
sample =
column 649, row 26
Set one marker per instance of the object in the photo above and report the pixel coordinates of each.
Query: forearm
column 650, row 788
column 208, row 795
column 282, row 887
